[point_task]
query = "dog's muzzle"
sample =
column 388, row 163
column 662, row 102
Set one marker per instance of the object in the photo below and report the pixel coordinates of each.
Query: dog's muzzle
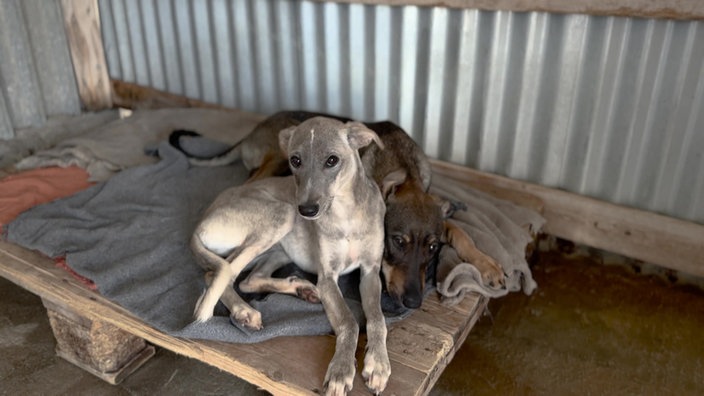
column 412, row 300
column 310, row 210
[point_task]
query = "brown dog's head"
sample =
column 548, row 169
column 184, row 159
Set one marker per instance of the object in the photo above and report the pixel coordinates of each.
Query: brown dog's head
column 414, row 230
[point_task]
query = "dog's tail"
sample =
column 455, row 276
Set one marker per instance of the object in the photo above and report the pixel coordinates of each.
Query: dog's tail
column 227, row 157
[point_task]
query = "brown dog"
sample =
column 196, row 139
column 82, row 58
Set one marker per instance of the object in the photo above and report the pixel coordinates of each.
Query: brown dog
column 416, row 222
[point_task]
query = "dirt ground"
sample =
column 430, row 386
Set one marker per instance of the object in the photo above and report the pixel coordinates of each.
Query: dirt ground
column 588, row 329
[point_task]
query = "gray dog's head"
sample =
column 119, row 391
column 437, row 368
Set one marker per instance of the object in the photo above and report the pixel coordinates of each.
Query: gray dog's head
column 322, row 154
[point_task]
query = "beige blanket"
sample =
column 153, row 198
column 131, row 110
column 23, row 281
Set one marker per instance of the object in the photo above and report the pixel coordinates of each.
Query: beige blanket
column 499, row 228
column 121, row 144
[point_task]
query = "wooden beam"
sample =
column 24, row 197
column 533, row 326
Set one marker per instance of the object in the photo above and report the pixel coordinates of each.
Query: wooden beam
column 82, row 23
column 650, row 237
column 670, row 9
column 135, row 96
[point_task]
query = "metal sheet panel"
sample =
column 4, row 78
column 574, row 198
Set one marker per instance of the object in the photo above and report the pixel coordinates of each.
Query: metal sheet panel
column 36, row 73
column 50, row 54
column 609, row 107
column 20, row 83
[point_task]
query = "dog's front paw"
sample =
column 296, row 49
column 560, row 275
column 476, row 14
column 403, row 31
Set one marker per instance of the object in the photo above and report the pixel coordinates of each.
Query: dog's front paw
column 377, row 370
column 492, row 273
column 339, row 378
column 248, row 317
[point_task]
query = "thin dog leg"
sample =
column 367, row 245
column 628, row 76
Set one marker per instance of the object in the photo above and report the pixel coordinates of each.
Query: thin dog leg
column 492, row 272
column 223, row 279
column 240, row 311
column 340, row 374
column 377, row 368
column 260, row 280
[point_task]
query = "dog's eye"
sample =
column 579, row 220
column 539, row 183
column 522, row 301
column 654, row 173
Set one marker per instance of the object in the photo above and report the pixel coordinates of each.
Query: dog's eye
column 433, row 247
column 295, row 161
column 399, row 241
column 332, row 161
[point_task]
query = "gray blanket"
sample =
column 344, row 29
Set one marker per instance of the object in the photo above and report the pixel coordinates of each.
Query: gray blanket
column 130, row 236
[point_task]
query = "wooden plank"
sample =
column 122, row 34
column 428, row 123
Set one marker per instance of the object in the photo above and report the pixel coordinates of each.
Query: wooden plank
column 650, row 237
column 82, row 23
column 284, row 365
column 437, row 333
column 36, row 273
column 670, row 9
column 134, row 96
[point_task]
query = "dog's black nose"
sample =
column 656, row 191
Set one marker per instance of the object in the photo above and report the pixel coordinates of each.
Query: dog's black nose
column 308, row 210
column 412, row 301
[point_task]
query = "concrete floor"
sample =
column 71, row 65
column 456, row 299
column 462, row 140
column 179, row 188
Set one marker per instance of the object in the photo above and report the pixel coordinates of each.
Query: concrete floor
column 589, row 329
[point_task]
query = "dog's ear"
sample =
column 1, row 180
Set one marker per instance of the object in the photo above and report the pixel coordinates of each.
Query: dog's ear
column 391, row 181
column 285, row 138
column 360, row 136
column 449, row 207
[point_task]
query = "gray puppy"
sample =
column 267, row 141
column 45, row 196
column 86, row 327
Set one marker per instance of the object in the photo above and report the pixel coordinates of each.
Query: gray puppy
column 328, row 218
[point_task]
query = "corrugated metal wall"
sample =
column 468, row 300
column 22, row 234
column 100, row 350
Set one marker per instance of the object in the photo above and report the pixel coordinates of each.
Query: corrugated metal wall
column 36, row 73
column 608, row 107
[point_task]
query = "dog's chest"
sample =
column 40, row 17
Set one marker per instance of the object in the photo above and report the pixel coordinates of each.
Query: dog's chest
column 341, row 247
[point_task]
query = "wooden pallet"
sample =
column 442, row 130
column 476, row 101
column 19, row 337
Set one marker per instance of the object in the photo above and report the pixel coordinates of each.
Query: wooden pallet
column 419, row 347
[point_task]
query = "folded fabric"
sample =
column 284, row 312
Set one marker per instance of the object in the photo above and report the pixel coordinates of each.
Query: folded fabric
column 56, row 129
column 499, row 228
column 24, row 190
column 121, row 144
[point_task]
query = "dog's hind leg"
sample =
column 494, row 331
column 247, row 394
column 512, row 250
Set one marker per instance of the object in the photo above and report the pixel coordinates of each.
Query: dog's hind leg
column 223, row 279
column 260, row 280
column 240, row 311
column 244, row 243
column 218, row 276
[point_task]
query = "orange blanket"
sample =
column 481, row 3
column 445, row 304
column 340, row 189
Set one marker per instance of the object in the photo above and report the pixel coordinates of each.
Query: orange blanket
column 25, row 190
column 22, row 191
